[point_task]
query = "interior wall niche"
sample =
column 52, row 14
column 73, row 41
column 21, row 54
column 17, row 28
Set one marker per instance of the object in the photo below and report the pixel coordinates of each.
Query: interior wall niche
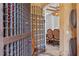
column 73, row 17
column 73, row 27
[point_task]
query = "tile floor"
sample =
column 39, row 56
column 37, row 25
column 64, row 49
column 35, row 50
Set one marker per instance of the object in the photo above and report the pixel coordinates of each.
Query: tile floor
column 51, row 51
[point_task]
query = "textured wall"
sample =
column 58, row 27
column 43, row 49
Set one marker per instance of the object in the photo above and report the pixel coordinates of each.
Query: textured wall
column 65, row 29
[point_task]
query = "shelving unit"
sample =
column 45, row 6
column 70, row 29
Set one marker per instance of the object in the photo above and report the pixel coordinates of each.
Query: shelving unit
column 15, row 26
column 38, row 28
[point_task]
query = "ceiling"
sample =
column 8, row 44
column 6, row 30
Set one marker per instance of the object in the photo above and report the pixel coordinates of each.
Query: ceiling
column 52, row 8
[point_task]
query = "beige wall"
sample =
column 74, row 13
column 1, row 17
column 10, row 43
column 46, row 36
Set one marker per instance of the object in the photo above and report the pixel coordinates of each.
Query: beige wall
column 77, row 29
column 64, row 28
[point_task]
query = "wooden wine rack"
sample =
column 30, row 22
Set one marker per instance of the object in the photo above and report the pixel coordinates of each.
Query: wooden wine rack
column 38, row 28
column 15, row 29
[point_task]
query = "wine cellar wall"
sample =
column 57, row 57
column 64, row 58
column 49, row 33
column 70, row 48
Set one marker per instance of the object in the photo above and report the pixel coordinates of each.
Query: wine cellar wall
column 15, row 31
column 38, row 28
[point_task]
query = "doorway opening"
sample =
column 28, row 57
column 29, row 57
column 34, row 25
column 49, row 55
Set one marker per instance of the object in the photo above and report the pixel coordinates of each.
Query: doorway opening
column 52, row 28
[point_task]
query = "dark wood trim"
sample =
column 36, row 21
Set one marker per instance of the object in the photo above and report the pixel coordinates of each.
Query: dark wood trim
column 12, row 39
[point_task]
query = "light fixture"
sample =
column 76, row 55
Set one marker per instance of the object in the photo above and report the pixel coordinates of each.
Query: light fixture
column 55, row 13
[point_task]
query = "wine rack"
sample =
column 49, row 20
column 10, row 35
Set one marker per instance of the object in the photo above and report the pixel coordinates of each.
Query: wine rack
column 38, row 28
column 15, row 29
